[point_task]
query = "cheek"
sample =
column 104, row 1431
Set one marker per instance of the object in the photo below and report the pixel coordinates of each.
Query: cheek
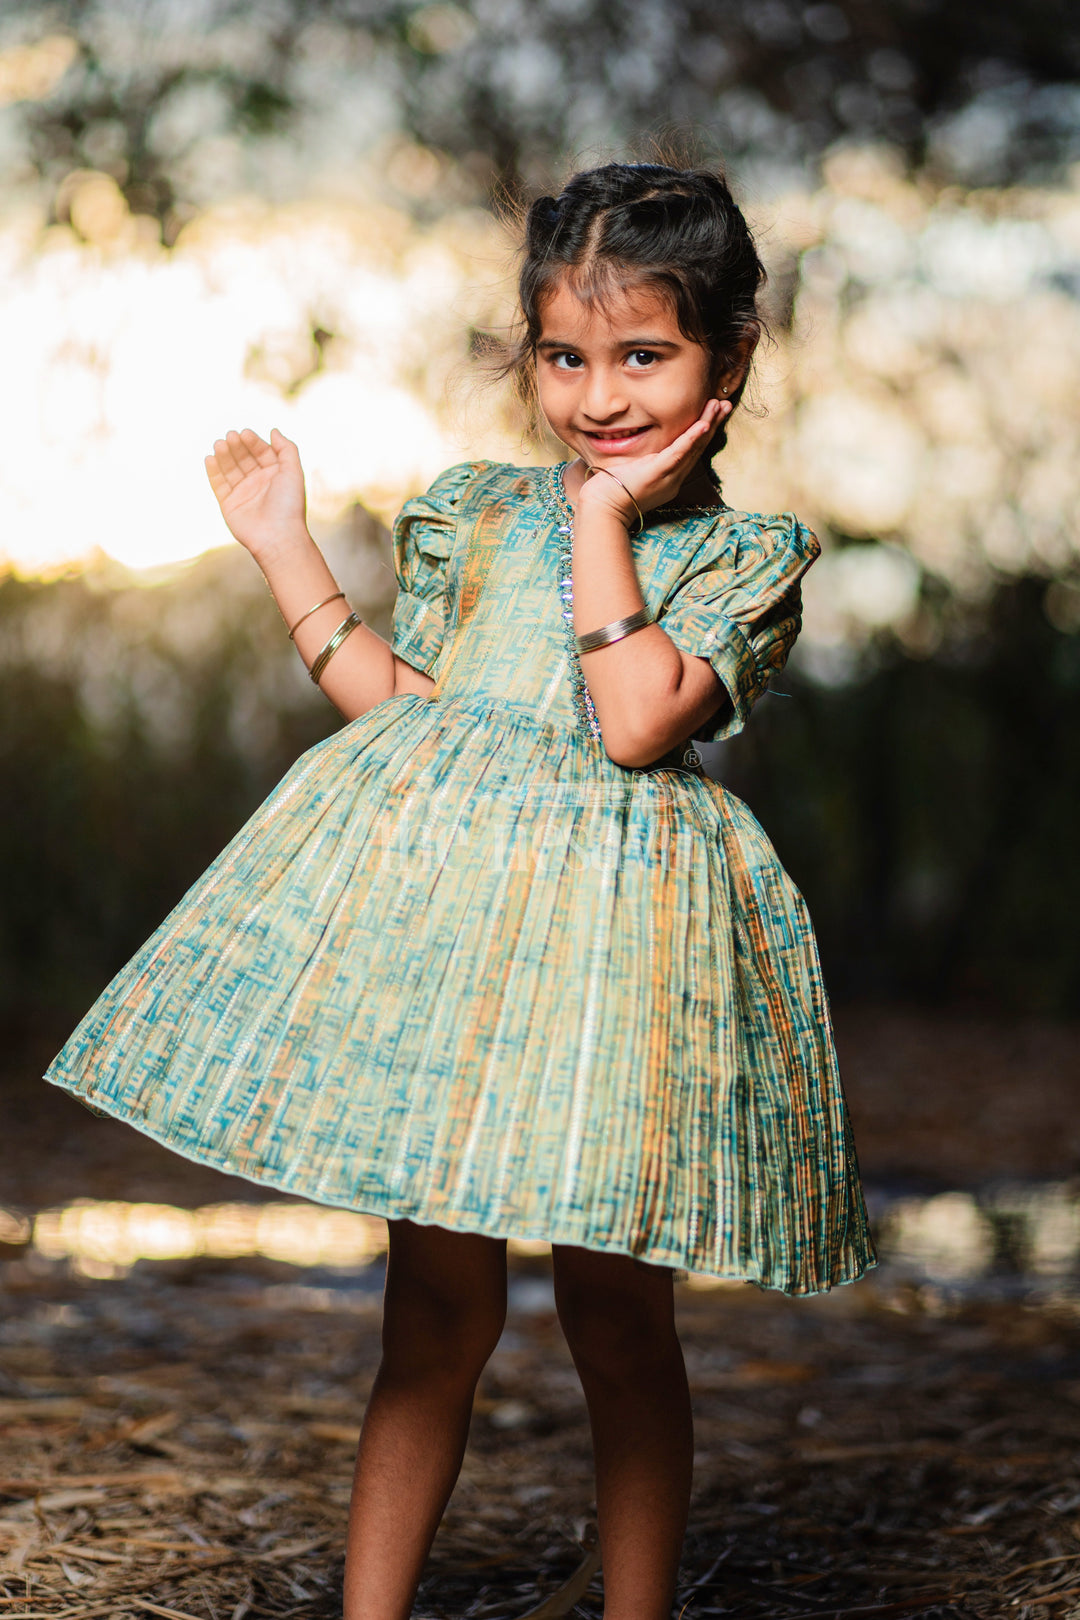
column 688, row 392
column 544, row 400
column 676, row 399
column 553, row 393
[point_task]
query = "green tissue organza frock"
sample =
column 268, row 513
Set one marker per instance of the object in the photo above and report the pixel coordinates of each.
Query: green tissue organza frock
column 462, row 968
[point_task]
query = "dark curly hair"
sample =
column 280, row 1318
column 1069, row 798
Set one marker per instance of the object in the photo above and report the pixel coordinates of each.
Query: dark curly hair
column 626, row 225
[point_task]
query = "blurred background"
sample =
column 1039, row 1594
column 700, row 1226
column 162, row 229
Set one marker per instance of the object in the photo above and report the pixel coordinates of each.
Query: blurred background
column 293, row 213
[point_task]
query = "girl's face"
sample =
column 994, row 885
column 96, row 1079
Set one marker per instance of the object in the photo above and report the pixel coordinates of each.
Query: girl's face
column 618, row 379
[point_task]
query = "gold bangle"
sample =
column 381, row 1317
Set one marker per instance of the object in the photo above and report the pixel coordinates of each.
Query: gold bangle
column 633, row 503
column 343, row 631
column 615, row 631
column 338, row 595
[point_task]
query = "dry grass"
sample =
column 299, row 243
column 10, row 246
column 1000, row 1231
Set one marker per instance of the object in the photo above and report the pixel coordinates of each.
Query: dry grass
column 178, row 1443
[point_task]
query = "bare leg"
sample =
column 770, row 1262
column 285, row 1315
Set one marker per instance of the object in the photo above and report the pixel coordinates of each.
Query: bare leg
column 444, row 1310
column 618, row 1317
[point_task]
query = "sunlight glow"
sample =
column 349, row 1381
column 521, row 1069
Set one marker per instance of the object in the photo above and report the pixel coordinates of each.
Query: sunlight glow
column 921, row 399
column 118, row 1234
column 124, row 361
column 924, row 394
column 948, row 1236
column 104, row 1238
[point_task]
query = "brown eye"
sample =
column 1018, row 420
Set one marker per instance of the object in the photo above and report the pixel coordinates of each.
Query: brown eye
column 641, row 358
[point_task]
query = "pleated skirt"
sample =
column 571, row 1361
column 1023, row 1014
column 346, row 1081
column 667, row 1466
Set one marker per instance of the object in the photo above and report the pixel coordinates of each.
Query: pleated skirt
column 462, row 969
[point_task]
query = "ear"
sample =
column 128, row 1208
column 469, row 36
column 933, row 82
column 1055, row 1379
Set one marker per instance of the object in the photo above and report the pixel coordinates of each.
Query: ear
column 730, row 374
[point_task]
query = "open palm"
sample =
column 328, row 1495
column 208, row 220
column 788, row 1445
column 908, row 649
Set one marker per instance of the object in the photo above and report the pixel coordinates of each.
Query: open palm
column 259, row 487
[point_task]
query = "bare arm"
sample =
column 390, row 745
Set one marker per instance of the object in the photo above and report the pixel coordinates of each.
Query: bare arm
column 260, row 489
column 648, row 694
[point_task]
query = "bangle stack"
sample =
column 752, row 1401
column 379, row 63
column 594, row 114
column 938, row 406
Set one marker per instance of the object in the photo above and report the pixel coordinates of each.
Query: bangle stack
column 615, row 631
column 343, row 631
column 341, row 634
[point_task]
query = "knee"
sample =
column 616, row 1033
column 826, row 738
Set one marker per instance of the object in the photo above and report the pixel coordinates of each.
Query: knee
column 438, row 1334
column 614, row 1338
column 444, row 1305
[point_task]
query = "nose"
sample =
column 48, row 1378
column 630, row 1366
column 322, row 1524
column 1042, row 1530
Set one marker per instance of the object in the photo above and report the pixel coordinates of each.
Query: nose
column 604, row 396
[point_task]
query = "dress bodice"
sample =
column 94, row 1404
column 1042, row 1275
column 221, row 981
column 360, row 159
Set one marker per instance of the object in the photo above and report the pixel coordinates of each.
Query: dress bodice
column 486, row 595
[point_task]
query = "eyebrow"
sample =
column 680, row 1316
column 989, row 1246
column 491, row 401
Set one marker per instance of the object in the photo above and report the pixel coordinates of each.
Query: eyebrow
column 627, row 343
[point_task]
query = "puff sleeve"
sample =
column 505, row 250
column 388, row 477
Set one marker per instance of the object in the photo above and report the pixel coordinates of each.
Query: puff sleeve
column 422, row 541
column 739, row 605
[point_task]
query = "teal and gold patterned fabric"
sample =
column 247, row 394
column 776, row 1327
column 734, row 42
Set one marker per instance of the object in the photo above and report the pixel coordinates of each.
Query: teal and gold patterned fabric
column 462, row 968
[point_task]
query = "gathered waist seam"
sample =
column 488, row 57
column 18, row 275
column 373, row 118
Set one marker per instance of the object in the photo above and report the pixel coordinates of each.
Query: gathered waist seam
column 683, row 758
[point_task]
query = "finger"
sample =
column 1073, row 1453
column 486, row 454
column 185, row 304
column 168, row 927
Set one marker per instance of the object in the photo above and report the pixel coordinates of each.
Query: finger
column 227, row 462
column 283, row 446
column 258, row 447
column 710, row 415
column 218, row 482
column 704, row 424
column 693, row 441
column 703, row 448
column 241, row 453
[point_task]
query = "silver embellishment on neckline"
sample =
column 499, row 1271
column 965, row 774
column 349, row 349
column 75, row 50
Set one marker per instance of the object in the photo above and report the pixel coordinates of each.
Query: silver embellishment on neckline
column 557, row 503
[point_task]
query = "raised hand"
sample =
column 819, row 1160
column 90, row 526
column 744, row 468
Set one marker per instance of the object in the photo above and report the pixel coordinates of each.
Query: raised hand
column 657, row 478
column 260, row 489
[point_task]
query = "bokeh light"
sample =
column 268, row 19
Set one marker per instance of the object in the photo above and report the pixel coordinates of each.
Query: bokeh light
column 339, row 323
column 948, row 1236
column 921, row 409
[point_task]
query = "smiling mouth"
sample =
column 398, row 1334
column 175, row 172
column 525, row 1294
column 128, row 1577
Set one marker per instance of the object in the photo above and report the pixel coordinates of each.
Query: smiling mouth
column 614, row 435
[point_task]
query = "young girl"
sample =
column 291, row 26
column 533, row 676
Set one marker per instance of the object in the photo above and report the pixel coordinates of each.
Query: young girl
column 497, row 959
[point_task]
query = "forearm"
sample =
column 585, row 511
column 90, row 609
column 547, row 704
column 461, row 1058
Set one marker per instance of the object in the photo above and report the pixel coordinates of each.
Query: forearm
column 362, row 671
column 648, row 695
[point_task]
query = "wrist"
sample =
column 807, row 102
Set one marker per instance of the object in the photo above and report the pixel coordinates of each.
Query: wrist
column 282, row 546
column 602, row 505
column 616, row 495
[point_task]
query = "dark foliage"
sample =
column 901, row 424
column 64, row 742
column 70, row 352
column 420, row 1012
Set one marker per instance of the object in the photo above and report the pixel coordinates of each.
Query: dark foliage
column 107, row 822
column 928, row 810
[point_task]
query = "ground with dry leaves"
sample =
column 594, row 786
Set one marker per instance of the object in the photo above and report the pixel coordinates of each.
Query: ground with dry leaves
column 179, row 1442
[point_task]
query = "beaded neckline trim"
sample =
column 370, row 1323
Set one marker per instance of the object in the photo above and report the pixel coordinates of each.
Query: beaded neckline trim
column 562, row 512
column 558, row 507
